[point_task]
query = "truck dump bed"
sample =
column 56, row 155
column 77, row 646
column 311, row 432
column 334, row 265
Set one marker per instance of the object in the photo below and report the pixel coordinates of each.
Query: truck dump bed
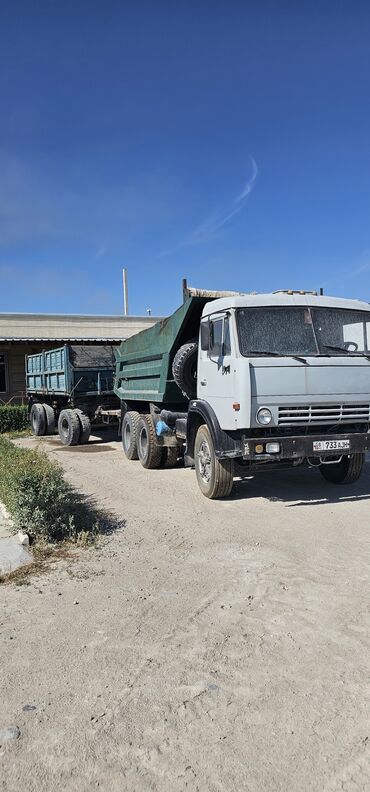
column 144, row 361
column 81, row 369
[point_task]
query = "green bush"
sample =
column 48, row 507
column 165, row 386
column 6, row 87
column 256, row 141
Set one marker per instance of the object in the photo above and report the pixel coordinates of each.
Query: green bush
column 39, row 499
column 13, row 418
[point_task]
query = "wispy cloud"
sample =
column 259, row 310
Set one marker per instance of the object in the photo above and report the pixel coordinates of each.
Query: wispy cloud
column 217, row 220
column 100, row 252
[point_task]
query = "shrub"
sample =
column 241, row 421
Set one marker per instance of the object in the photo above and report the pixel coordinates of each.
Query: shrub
column 13, row 418
column 39, row 499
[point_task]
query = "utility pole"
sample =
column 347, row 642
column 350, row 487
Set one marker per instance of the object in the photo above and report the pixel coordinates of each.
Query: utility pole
column 125, row 292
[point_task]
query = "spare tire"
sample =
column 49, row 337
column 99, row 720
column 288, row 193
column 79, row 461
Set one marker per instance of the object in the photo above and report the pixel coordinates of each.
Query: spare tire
column 184, row 369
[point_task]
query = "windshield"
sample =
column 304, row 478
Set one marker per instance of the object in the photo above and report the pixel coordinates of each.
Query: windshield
column 303, row 331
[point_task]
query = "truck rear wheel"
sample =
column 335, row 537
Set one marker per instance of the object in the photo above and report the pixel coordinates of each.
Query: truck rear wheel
column 184, row 369
column 215, row 476
column 85, row 425
column 69, row 427
column 130, row 425
column 50, row 419
column 38, row 420
column 346, row 471
column 148, row 448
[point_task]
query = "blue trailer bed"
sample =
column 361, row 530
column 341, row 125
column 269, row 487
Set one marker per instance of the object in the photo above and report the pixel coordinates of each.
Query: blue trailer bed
column 71, row 369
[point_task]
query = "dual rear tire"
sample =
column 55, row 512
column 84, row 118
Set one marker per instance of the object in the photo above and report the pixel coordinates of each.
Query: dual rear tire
column 139, row 441
column 74, row 426
column 42, row 419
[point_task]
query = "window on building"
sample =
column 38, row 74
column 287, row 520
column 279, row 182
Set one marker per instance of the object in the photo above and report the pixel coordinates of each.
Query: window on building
column 3, row 387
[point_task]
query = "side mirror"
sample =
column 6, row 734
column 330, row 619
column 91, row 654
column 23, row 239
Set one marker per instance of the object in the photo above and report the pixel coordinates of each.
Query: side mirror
column 205, row 335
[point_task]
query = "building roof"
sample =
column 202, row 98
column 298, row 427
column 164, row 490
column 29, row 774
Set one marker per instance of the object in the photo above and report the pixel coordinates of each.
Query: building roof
column 18, row 327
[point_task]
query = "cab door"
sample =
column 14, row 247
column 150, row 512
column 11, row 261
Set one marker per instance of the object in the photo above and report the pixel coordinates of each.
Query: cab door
column 217, row 371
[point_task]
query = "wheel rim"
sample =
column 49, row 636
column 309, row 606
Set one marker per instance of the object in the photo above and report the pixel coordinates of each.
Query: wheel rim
column 64, row 427
column 204, row 462
column 143, row 442
column 127, row 436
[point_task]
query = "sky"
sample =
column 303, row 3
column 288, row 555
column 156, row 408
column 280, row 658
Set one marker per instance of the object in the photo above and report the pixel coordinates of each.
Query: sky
column 225, row 141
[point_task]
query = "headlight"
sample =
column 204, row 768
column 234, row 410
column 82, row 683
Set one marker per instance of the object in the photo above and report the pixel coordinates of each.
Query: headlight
column 263, row 416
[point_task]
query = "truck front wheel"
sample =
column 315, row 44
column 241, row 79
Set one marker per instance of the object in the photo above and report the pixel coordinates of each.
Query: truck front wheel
column 130, row 425
column 215, row 476
column 346, row 471
column 149, row 450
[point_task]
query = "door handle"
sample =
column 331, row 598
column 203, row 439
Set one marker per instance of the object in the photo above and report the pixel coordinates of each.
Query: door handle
column 203, row 382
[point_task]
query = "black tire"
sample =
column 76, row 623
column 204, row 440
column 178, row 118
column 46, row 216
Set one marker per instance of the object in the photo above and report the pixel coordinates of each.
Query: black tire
column 149, row 450
column 130, row 425
column 184, row 369
column 38, row 420
column 346, row 471
column 170, row 456
column 69, row 427
column 85, row 427
column 50, row 419
column 215, row 476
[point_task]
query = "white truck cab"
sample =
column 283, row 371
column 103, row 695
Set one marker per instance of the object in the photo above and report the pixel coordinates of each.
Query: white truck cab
column 287, row 378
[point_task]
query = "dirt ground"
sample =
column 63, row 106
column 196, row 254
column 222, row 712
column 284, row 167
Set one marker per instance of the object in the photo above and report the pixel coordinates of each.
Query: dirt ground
column 211, row 646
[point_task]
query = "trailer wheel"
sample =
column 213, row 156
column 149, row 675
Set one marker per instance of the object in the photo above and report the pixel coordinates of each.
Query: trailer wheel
column 184, row 369
column 130, row 425
column 215, row 476
column 149, row 450
column 346, row 471
column 50, row 419
column 38, row 420
column 85, row 425
column 69, row 427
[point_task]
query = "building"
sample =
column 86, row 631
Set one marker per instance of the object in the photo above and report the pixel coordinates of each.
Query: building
column 24, row 334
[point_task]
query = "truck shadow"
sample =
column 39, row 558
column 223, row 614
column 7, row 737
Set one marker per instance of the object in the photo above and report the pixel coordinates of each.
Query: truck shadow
column 301, row 487
column 85, row 514
column 104, row 434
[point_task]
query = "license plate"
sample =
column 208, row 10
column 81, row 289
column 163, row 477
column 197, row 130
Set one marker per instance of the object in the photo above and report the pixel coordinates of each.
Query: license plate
column 331, row 445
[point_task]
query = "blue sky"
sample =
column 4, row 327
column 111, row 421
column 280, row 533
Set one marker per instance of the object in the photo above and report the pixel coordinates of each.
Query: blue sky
column 228, row 142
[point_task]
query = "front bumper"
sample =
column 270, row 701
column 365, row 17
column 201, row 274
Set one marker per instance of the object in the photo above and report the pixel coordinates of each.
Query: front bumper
column 302, row 446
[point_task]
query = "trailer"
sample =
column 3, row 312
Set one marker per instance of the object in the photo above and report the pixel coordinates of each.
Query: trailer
column 242, row 383
column 70, row 387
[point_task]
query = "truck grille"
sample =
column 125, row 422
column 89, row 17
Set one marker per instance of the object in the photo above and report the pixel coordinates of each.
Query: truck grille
column 323, row 413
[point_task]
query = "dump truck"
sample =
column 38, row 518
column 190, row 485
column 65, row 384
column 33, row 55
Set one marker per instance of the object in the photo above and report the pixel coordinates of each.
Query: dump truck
column 243, row 383
column 70, row 387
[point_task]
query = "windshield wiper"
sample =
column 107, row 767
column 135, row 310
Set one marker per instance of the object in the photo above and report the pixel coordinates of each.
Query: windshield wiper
column 337, row 348
column 347, row 351
column 277, row 354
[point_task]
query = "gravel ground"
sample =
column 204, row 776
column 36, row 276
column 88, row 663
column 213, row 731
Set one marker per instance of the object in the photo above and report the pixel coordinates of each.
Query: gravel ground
column 211, row 646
